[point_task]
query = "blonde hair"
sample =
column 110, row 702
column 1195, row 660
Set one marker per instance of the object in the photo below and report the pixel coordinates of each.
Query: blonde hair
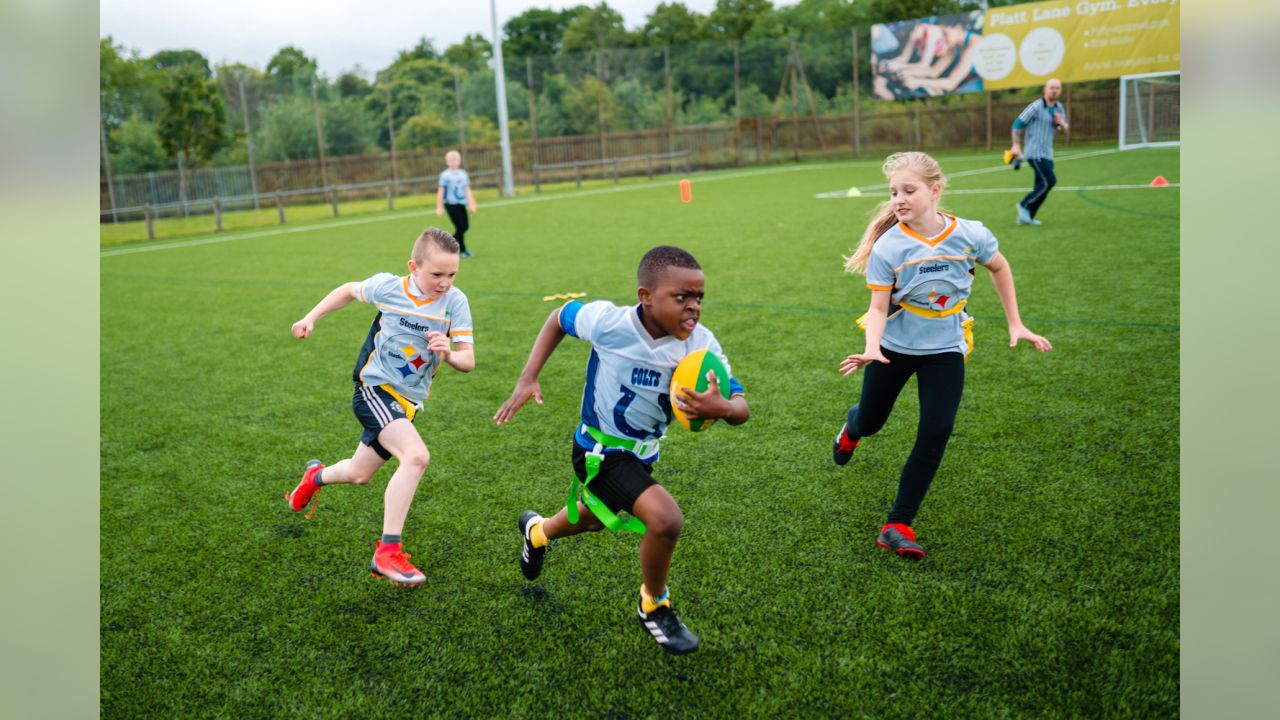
column 432, row 236
column 884, row 218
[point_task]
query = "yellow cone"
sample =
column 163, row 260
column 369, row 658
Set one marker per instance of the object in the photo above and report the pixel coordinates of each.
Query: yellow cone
column 853, row 192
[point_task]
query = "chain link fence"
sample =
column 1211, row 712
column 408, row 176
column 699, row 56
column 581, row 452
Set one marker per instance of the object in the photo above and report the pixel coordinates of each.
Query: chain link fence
column 600, row 114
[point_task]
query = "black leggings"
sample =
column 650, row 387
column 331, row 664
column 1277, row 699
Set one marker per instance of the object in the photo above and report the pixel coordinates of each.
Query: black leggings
column 940, row 379
column 458, row 214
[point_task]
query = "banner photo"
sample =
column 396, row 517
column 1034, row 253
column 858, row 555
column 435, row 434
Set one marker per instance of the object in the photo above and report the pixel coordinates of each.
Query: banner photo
column 1024, row 45
column 926, row 57
column 1077, row 40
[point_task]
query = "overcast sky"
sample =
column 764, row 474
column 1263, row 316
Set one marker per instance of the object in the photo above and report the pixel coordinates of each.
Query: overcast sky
column 340, row 34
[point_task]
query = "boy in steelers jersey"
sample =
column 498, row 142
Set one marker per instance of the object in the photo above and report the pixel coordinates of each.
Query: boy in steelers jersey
column 423, row 323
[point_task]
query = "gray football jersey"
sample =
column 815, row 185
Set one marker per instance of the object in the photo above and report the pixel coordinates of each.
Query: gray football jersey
column 395, row 351
column 934, row 274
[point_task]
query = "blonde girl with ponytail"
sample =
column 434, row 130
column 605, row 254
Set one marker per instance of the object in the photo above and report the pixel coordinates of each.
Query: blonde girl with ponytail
column 919, row 263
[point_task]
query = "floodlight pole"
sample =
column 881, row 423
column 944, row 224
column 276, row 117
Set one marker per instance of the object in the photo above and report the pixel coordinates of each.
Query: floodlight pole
column 500, row 87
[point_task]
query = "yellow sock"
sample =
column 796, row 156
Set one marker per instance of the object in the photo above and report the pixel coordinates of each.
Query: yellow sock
column 537, row 537
column 649, row 604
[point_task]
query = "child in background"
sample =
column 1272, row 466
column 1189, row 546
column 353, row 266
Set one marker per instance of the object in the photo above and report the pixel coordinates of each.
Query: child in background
column 423, row 322
column 919, row 264
column 454, row 196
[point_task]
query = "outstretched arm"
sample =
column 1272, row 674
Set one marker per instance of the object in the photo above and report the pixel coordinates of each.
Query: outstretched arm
column 335, row 300
column 876, row 317
column 1002, row 277
column 527, row 385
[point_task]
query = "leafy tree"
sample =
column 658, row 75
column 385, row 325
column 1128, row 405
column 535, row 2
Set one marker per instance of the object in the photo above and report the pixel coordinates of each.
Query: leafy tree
column 672, row 24
column 587, row 103
column 733, row 19
column 136, row 148
column 821, row 16
column 193, row 124
column 473, row 51
column 424, row 50
column 536, row 32
column 287, row 132
column 126, row 85
column 426, row 130
column 174, row 59
column 597, row 28
column 349, row 128
column 290, row 70
column 351, row 84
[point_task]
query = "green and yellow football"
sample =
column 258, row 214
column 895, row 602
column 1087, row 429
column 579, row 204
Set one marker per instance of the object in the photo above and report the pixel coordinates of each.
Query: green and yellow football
column 692, row 373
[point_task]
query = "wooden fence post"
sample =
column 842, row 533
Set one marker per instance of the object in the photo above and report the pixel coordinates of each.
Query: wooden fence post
column 280, row 206
column 151, row 230
column 391, row 203
column 333, row 200
column 217, row 214
column 988, row 119
column 577, row 174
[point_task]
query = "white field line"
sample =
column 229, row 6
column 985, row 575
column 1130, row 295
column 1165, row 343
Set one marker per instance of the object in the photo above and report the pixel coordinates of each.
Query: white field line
column 978, row 171
column 1019, row 190
column 490, row 205
column 273, row 232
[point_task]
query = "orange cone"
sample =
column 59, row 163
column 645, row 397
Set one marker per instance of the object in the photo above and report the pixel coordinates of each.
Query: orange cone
column 686, row 191
column 1159, row 182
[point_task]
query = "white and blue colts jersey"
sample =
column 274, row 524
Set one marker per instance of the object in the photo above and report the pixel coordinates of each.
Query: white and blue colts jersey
column 395, row 352
column 930, row 279
column 627, row 393
column 455, row 184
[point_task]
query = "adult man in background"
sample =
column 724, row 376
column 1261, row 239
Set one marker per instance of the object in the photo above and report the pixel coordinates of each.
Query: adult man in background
column 1041, row 120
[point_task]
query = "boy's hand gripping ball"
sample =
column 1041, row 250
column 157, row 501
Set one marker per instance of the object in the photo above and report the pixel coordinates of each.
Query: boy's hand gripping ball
column 691, row 373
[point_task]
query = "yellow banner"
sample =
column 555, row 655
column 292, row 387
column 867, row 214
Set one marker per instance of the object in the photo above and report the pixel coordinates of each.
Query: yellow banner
column 1075, row 40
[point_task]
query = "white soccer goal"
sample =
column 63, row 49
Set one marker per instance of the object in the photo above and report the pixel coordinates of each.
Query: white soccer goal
column 1149, row 108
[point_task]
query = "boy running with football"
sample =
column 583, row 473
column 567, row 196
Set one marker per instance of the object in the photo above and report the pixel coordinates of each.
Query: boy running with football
column 626, row 407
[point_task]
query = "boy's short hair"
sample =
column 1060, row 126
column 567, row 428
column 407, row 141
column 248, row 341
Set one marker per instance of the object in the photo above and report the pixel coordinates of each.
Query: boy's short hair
column 433, row 236
column 656, row 261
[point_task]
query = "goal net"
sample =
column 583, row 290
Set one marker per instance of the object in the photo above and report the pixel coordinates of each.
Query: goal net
column 1149, row 105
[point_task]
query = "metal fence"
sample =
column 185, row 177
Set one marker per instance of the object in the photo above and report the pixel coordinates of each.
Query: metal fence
column 713, row 105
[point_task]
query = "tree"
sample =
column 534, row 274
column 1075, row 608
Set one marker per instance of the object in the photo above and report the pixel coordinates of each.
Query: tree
column 673, row 24
column 351, row 84
column 473, row 51
column 597, row 28
column 536, row 32
column 426, row 130
column 135, row 147
column 424, row 50
column 287, row 131
column 820, row 16
column 193, row 125
column 733, row 19
column 174, row 59
column 126, row 85
column 349, row 129
column 290, row 70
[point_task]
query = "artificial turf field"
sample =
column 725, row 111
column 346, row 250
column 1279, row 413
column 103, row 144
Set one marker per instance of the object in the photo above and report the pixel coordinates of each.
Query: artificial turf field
column 1050, row 588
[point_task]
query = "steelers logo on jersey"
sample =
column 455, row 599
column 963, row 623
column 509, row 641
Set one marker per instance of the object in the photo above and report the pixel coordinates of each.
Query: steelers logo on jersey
column 935, row 295
column 408, row 355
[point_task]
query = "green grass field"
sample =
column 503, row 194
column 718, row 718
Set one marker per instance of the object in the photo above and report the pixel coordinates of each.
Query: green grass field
column 1051, row 584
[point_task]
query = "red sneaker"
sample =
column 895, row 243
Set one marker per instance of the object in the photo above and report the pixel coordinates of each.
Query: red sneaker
column 393, row 564
column 900, row 539
column 302, row 494
column 842, row 449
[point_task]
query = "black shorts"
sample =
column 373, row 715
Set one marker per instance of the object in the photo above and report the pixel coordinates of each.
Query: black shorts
column 375, row 408
column 621, row 480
